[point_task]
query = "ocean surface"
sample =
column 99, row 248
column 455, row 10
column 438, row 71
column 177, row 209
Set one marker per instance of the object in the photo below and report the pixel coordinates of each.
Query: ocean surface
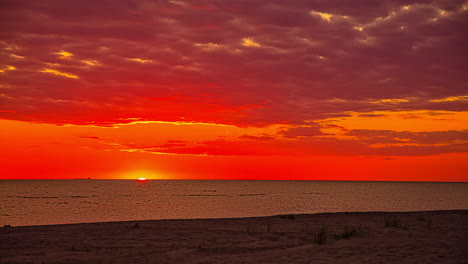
column 43, row 202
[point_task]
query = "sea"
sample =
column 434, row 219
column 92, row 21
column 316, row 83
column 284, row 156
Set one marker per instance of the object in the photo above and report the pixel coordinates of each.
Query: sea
column 46, row 202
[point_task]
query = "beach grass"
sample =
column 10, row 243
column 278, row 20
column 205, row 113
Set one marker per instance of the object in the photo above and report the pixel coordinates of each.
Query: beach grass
column 392, row 221
column 320, row 237
column 348, row 232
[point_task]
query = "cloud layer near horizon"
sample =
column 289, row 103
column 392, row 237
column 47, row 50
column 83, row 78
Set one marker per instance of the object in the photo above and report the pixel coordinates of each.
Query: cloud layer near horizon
column 307, row 65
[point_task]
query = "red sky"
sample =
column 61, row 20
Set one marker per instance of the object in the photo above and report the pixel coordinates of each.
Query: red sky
column 221, row 89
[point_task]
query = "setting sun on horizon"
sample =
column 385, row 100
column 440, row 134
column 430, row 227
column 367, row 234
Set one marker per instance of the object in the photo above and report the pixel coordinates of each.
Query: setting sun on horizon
column 141, row 175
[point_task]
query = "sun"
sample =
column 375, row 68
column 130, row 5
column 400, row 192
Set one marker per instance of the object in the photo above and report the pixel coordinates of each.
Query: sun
column 139, row 175
column 143, row 175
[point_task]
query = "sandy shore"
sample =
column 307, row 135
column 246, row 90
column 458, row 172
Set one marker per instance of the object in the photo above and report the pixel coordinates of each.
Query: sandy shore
column 414, row 237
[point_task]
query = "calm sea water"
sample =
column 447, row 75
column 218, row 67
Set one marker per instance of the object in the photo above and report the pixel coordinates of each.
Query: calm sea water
column 39, row 202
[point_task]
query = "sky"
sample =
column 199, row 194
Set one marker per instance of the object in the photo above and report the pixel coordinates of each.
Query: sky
column 244, row 89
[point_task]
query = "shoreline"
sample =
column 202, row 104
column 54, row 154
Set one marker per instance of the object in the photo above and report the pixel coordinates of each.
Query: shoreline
column 341, row 237
column 246, row 217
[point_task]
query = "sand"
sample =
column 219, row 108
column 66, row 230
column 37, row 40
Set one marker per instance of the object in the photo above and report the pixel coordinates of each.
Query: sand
column 422, row 237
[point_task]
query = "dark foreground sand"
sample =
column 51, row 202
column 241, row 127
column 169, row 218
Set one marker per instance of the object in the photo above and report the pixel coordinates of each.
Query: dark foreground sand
column 423, row 237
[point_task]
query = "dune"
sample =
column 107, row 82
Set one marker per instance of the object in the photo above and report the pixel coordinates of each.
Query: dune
column 357, row 237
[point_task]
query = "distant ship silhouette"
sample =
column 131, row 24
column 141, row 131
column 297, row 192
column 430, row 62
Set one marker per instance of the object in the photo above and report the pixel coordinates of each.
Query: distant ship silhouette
column 89, row 178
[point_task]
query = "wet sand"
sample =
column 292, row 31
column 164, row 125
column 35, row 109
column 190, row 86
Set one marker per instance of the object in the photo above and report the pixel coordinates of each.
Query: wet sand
column 412, row 237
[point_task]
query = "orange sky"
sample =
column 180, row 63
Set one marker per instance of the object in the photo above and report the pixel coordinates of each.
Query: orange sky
column 301, row 90
column 168, row 151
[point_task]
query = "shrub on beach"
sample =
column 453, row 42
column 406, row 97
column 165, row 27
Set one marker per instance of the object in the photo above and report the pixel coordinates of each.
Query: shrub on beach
column 321, row 236
column 392, row 221
column 348, row 232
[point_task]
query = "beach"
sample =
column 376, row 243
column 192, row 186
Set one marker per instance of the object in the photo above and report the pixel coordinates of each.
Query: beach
column 348, row 237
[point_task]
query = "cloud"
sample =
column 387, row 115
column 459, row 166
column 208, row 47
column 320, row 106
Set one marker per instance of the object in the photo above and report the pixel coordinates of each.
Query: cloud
column 249, row 42
column 451, row 99
column 262, row 137
column 297, row 60
column 8, row 68
column 389, row 137
column 64, row 54
column 204, row 148
column 139, row 60
column 325, row 16
column 59, row 73
column 302, row 131
column 381, row 143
